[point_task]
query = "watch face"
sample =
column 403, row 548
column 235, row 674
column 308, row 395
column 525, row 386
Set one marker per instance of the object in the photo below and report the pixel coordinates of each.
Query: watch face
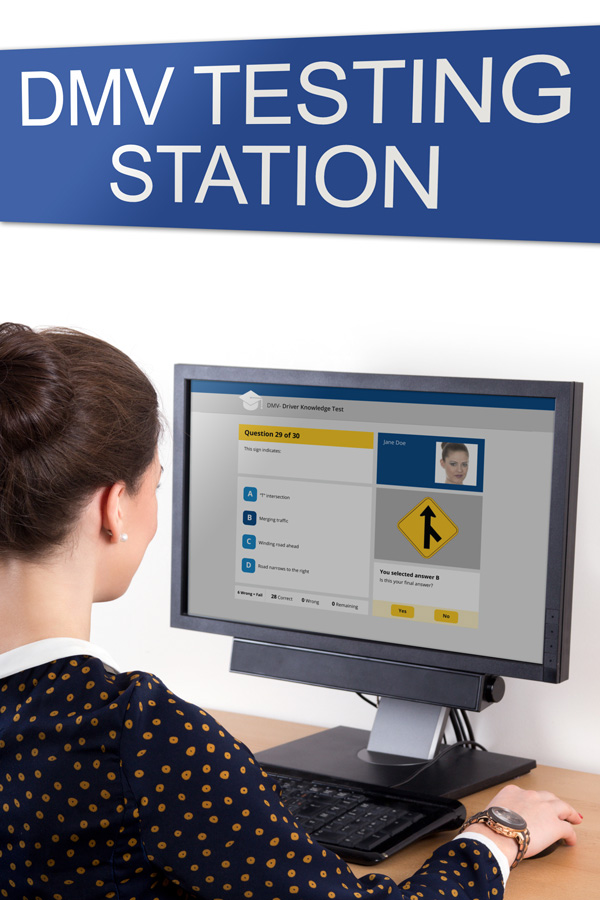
column 507, row 817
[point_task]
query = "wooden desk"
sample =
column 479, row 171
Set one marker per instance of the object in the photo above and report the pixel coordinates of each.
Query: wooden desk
column 568, row 872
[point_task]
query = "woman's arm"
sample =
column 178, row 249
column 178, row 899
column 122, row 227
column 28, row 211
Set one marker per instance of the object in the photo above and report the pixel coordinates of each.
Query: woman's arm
column 213, row 822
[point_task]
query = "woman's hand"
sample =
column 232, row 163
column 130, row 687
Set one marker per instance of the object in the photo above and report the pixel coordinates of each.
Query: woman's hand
column 548, row 818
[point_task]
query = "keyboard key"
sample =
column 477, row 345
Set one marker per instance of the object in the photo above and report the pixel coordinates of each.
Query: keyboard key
column 368, row 824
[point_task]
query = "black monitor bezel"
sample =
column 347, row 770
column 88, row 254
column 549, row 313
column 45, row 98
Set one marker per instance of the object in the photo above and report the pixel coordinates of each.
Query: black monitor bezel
column 559, row 585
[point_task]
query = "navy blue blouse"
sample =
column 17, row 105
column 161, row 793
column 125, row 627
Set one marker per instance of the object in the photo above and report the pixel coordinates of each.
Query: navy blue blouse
column 112, row 788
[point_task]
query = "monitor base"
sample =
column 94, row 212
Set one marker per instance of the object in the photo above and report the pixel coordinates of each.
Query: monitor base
column 339, row 753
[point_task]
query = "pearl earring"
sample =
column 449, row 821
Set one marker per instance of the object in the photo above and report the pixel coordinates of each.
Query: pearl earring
column 124, row 537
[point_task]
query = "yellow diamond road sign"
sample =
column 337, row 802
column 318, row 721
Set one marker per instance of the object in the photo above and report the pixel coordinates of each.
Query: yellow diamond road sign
column 427, row 527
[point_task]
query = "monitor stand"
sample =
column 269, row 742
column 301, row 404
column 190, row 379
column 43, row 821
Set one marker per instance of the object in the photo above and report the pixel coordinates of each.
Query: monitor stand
column 413, row 731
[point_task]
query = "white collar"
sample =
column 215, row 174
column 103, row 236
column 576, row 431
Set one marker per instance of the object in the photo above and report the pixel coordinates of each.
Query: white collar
column 40, row 652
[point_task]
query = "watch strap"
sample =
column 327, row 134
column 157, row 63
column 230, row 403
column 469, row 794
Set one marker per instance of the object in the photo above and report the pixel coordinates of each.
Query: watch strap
column 521, row 836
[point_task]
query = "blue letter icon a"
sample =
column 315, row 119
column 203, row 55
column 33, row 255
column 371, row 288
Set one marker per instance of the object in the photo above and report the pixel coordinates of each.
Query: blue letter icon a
column 248, row 565
column 248, row 517
column 250, row 494
column 249, row 541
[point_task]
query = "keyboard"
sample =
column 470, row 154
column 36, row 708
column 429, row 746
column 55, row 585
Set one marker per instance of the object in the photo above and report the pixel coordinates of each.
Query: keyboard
column 363, row 823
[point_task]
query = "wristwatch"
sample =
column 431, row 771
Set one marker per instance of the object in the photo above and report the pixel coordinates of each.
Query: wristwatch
column 505, row 822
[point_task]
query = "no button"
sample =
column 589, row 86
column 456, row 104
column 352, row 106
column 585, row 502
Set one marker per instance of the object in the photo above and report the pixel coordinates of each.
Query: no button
column 446, row 615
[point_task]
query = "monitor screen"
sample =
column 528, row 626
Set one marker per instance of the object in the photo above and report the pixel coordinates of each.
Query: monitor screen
column 420, row 520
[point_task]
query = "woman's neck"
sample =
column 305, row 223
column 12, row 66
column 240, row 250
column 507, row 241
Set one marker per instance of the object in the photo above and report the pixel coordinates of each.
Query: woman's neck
column 41, row 600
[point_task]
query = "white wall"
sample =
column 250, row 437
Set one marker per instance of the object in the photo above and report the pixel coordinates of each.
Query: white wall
column 322, row 302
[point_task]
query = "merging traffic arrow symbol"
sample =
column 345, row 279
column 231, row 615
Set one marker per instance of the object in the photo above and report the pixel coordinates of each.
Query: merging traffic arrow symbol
column 430, row 531
column 420, row 534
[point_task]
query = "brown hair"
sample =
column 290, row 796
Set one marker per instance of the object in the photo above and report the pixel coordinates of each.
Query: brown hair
column 453, row 448
column 76, row 415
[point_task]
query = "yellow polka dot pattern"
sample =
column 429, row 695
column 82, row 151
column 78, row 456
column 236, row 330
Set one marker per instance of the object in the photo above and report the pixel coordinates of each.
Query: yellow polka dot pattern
column 112, row 788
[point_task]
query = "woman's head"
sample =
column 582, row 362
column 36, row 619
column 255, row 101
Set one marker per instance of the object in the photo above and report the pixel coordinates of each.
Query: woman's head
column 455, row 462
column 76, row 415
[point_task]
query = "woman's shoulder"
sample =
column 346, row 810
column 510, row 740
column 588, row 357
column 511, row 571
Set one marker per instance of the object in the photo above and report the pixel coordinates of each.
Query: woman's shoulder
column 148, row 697
column 84, row 689
column 138, row 696
column 79, row 701
column 150, row 709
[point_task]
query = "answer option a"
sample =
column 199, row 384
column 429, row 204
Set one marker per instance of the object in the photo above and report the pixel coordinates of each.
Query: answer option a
column 427, row 527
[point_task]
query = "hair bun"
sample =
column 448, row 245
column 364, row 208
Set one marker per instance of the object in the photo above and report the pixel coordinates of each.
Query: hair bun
column 35, row 394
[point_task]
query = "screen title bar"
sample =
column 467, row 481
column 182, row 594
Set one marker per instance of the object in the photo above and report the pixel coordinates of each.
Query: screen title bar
column 253, row 392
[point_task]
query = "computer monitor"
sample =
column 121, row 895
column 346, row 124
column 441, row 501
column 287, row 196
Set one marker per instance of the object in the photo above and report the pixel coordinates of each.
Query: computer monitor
column 404, row 536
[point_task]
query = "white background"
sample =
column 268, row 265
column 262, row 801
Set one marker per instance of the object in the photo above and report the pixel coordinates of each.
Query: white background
column 379, row 304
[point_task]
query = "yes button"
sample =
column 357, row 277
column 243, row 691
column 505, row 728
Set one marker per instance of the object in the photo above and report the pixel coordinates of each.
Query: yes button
column 405, row 612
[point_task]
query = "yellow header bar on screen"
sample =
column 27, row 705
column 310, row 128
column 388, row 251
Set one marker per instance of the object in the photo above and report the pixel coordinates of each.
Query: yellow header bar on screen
column 325, row 437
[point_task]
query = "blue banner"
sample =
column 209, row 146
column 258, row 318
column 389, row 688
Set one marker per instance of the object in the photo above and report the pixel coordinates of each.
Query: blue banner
column 333, row 392
column 416, row 460
column 482, row 134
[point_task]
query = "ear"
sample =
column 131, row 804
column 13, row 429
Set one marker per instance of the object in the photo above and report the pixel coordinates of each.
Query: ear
column 112, row 511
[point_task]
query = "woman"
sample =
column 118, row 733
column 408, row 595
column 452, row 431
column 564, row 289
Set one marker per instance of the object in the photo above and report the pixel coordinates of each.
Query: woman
column 110, row 786
column 455, row 462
